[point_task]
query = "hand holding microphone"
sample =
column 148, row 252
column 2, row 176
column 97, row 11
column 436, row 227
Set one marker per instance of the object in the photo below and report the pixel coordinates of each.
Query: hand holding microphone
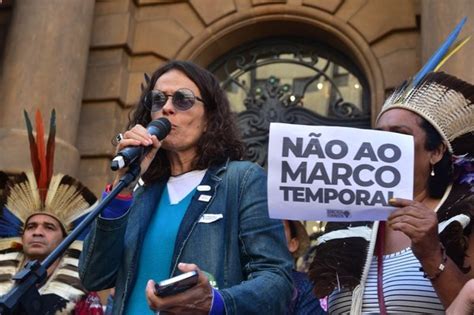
column 140, row 143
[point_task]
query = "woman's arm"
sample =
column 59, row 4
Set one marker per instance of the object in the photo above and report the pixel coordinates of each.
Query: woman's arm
column 102, row 251
column 451, row 280
column 420, row 224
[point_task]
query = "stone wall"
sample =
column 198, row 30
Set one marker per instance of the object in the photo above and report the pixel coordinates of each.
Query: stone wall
column 5, row 17
column 43, row 66
column 130, row 37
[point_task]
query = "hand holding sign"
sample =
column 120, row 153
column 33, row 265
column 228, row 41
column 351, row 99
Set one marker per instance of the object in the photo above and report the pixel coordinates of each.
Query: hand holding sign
column 315, row 173
column 419, row 223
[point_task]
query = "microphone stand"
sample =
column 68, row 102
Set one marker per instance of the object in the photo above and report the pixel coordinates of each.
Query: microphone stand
column 24, row 297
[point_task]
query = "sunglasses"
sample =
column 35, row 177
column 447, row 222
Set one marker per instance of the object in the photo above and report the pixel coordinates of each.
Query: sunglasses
column 182, row 99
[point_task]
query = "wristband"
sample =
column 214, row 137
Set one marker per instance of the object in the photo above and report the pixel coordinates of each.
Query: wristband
column 441, row 266
column 126, row 195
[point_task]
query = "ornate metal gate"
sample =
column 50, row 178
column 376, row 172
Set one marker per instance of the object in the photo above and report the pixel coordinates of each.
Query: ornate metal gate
column 289, row 81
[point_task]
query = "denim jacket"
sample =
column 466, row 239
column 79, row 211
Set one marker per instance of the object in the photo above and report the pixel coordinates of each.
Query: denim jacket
column 229, row 236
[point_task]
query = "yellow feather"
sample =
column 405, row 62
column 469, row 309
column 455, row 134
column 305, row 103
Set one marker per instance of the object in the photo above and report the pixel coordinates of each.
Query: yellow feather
column 451, row 52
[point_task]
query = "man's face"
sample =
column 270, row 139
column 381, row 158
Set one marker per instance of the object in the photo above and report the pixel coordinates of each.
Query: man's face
column 41, row 236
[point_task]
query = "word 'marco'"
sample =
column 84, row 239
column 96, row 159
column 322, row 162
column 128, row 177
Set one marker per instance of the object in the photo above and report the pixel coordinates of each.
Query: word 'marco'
column 359, row 173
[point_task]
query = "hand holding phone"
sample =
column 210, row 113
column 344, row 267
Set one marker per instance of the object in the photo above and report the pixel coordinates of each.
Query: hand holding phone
column 176, row 284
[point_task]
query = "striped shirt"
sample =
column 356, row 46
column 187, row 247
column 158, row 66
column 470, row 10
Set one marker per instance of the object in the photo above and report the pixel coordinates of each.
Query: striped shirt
column 405, row 289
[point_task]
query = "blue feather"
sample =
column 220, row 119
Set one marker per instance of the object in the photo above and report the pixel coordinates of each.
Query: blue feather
column 434, row 60
column 10, row 225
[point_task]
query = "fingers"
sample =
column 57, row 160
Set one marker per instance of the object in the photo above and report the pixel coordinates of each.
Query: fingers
column 195, row 300
column 151, row 298
column 405, row 223
column 413, row 212
column 187, row 267
column 408, row 207
column 138, row 135
column 420, row 236
column 190, row 267
column 400, row 202
column 414, row 219
column 155, row 302
column 409, row 228
column 156, row 145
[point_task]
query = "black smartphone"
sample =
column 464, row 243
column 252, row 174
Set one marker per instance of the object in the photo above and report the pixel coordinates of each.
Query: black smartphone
column 176, row 284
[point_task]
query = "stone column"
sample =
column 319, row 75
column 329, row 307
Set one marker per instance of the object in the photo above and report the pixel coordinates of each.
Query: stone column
column 44, row 66
column 438, row 19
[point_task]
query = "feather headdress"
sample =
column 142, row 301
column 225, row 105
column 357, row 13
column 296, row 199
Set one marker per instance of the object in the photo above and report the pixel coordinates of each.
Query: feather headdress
column 446, row 102
column 40, row 192
column 59, row 196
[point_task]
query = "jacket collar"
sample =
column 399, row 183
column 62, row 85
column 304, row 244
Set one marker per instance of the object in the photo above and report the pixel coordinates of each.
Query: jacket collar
column 199, row 205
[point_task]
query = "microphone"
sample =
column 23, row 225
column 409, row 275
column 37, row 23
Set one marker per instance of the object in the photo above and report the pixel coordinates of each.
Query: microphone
column 160, row 128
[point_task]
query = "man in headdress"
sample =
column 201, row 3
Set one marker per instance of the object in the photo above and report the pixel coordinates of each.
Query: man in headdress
column 38, row 212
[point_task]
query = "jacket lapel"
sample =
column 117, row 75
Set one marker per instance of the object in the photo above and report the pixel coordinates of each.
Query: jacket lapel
column 199, row 204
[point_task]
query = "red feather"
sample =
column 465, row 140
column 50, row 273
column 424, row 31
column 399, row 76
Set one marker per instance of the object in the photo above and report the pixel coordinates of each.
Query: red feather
column 43, row 178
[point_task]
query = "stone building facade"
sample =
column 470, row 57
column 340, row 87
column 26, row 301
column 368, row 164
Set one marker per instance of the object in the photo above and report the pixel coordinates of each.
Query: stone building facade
column 86, row 58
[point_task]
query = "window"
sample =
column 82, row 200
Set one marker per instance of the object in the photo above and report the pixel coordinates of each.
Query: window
column 291, row 81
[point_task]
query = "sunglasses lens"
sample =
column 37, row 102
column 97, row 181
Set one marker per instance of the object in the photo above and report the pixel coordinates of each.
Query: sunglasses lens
column 183, row 99
column 158, row 100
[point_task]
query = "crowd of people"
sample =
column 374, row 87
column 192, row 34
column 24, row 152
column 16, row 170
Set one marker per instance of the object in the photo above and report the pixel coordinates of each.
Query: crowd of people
column 198, row 206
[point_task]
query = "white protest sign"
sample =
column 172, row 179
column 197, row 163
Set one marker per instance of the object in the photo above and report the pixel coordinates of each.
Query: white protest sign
column 337, row 173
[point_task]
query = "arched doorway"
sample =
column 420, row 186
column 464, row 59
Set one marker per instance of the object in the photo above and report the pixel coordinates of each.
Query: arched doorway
column 291, row 80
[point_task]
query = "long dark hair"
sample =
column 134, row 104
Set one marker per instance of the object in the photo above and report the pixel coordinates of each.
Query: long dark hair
column 459, row 201
column 443, row 170
column 220, row 141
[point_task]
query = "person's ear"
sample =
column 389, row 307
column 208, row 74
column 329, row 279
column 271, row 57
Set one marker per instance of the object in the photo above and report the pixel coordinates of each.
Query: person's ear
column 293, row 245
column 438, row 153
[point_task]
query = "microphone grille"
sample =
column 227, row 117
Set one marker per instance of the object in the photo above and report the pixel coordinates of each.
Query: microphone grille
column 163, row 124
